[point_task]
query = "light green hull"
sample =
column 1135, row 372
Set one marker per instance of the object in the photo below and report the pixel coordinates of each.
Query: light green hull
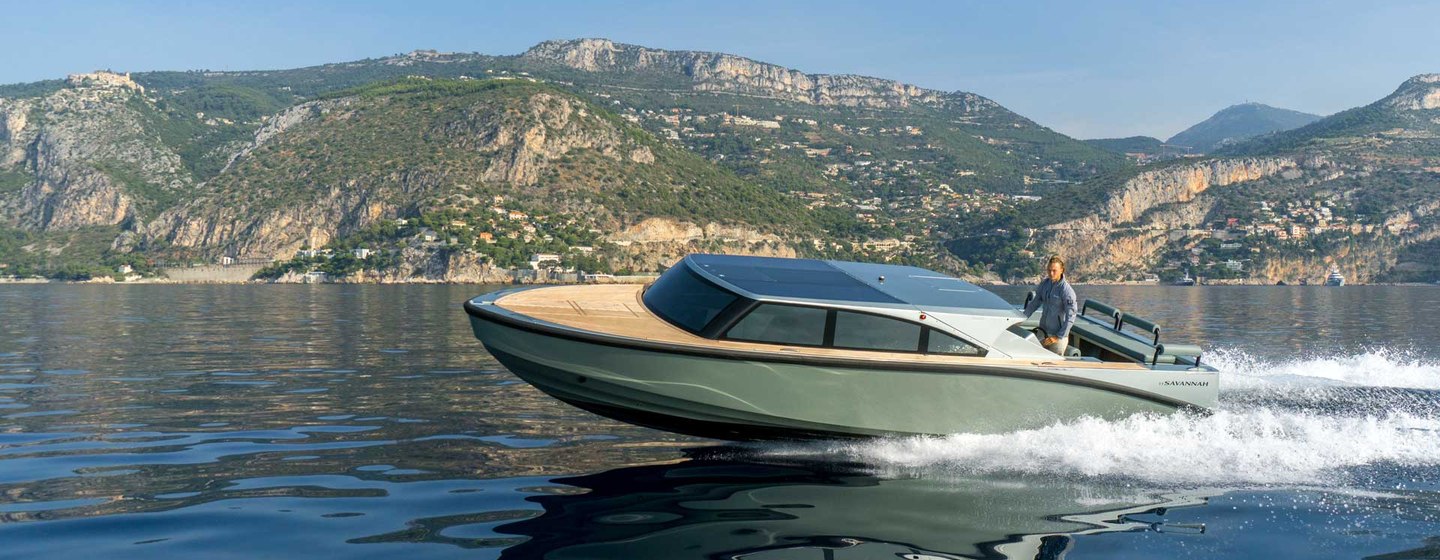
column 735, row 398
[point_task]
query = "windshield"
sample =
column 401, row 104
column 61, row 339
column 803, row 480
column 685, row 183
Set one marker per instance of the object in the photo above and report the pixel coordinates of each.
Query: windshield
column 684, row 298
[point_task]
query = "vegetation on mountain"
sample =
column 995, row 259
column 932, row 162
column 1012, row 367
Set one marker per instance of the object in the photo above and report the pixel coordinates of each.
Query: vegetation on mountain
column 560, row 148
column 462, row 158
column 1359, row 121
column 31, row 89
column 429, row 128
column 88, row 254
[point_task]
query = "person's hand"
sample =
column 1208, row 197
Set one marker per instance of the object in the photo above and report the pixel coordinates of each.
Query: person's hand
column 1049, row 340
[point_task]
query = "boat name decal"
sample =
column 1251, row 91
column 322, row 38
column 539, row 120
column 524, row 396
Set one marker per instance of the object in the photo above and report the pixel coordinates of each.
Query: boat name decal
column 1186, row 383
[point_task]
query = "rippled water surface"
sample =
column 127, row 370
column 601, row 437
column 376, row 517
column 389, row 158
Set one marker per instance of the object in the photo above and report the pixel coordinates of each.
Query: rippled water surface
column 366, row 421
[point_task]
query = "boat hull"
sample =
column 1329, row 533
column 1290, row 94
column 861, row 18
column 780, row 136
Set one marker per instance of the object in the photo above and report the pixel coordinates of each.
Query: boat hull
column 743, row 397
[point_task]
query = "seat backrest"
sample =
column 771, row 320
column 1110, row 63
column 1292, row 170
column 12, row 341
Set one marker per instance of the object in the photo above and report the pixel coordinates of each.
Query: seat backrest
column 1141, row 324
column 1105, row 309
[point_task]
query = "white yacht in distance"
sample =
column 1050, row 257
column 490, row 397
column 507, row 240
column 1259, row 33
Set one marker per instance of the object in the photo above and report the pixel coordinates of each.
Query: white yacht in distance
column 738, row 347
column 1335, row 278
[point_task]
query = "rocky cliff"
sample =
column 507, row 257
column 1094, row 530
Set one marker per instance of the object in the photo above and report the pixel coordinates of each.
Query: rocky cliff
column 1181, row 183
column 656, row 242
column 734, row 74
column 1140, row 218
column 312, row 176
column 88, row 154
column 1418, row 93
column 254, row 211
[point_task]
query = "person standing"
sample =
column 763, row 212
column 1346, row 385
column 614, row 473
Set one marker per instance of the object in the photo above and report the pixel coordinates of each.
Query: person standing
column 1058, row 299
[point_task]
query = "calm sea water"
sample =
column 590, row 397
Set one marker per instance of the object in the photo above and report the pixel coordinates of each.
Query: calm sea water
column 365, row 421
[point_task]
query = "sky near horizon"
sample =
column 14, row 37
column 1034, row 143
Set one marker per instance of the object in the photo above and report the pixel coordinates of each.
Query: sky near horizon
column 1086, row 69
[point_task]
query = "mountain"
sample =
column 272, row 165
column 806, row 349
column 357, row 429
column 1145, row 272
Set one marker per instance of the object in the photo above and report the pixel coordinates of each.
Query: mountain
column 810, row 123
column 1237, row 123
column 106, row 169
column 532, row 167
column 354, row 160
column 1358, row 191
column 1401, row 124
column 433, row 166
column 86, row 155
column 706, row 71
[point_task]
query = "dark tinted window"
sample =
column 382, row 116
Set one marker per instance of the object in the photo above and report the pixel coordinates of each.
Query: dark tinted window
column 941, row 343
column 682, row 297
column 872, row 332
column 781, row 324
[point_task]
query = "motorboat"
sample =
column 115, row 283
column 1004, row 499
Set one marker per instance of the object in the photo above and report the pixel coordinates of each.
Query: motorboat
column 741, row 347
column 1187, row 280
column 1335, row 278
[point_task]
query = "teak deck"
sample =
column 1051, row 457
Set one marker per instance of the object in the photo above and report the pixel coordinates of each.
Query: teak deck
column 616, row 309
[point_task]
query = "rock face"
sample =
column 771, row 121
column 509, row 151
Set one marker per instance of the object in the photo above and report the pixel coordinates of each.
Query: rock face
column 461, row 267
column 88, row 152
column 734, row 74
column 514, row 145
column 520, row 149
column 1128, row 231
column 14, row 115
column 1418, row 93
column 1183, row 183
column 662, row 241
column 278, row 232
column 538, row 148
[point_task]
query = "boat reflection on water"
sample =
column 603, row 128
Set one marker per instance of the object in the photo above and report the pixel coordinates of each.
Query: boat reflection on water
column 714, row 508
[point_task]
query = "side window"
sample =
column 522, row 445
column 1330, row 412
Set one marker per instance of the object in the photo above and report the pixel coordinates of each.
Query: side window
column 781, row 324
column 870, row 332
column 941, row 343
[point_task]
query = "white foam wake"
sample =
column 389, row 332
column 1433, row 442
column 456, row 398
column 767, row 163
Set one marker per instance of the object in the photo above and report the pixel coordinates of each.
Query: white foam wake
column 1376, row 368
column 1258, row 447
column 1302, row 422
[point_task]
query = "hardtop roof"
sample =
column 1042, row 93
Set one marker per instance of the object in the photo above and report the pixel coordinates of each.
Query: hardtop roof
column 844, row 282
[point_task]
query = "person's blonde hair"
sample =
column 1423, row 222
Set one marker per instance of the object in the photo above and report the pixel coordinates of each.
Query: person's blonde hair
column 1056, row 260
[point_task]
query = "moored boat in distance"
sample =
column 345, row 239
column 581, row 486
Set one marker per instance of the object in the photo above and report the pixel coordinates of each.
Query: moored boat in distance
column 1335, row 278
column 1187, row 280
column 738, row 347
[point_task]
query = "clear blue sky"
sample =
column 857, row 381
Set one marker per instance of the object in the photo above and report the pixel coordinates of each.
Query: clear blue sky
column 1087, row 69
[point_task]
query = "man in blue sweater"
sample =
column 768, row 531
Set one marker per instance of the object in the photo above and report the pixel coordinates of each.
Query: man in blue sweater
column 1058, row 299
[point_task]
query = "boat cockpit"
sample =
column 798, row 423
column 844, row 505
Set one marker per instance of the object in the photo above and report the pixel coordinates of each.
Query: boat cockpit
column 854, row 306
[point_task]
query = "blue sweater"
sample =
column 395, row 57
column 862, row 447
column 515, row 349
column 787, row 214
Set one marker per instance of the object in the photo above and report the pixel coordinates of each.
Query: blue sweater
column 1060, row 307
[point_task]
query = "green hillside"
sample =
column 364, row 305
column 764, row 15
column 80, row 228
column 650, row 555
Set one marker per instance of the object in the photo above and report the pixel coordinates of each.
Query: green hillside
column 427, row 151
column 995, row 149
column 1131, row 144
